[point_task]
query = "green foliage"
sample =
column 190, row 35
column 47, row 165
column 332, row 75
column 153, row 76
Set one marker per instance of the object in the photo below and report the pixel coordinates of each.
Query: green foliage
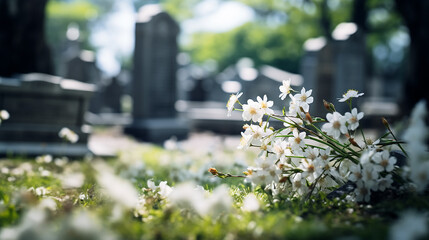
column 277, row 35
column 77, row 10
column 278, row 46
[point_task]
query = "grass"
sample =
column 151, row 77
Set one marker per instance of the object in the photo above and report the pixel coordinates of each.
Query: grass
column 318, row 218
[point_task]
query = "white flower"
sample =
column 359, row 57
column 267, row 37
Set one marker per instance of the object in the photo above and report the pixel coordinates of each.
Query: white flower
column 195, row 199
column 299, row 184
column 420, row 175
column 284, row 89
column 171, row 144
column 41, row 191
column 246, row 140
column 311, row 153
column 118, row 189
column 384, row 161
column 309, row 170
column 266, row 171
column 190, row 197
column 297, row 141
column 72, row 180
column 258, row 132
column 367, row 156
column 232, row 100
column 68, row 135
column 385, row 183
column 250, row 203
column 304, row 99
column 265, row 104
column 335, row 126
column 419, row 111
column 282, row 149
column 350, row 94
column 323, row 165
column 82, row 196
column 44, row 158
column 355, row 173
column 370, row 176
column 294, row 107
column 362, row 192
column 219, row 202
column 353, row 118
column 411, row 225
column 4, row 115
column 163, row 189
column 252, row 111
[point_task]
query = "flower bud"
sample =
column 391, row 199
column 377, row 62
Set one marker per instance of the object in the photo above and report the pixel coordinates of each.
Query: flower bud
column 213, row 171
column 308, row 117
column 353, row 142
column 283, row 179
column 329, row 106
column 326, row 105
column 385, row 122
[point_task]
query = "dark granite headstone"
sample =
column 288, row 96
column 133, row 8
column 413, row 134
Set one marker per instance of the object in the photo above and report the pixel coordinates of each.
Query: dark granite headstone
column 40, row 106
column 154, row 77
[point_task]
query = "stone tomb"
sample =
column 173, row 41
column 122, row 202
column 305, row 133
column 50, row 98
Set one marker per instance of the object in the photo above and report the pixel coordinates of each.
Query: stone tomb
column 154, row 77
column 40, row 106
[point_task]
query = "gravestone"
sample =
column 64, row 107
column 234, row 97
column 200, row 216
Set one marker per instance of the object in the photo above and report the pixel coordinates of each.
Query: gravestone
column 23, row 47
column 154, row 77
column 350, row 70
column 112, row 95
column 332, row 67
column 83, row 67
column 40, row 106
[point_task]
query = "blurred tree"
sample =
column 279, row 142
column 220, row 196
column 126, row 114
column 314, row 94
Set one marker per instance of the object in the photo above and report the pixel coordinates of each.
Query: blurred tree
column 60, row 14
column 68, row 19
column 275, row 37
column 179, row 9
column 414, row 15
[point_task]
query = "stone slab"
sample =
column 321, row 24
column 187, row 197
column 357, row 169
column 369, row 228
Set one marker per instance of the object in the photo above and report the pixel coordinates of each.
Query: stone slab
column 32, row 149
column 157, row 130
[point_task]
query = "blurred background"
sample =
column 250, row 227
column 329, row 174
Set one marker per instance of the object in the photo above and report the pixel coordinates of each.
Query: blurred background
column 379, row 47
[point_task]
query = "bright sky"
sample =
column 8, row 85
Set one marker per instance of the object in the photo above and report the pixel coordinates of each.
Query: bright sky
column 216, row 16
column 116, row 37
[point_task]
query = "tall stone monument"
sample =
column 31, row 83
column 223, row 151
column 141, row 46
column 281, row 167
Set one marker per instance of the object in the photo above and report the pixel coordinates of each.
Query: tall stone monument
column 154, row 77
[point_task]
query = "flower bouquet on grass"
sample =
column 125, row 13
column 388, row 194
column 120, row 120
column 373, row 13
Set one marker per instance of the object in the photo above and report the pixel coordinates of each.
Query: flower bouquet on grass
column 312, row 155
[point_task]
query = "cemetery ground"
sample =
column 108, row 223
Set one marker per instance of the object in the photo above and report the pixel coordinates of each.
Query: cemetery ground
column 125, row 197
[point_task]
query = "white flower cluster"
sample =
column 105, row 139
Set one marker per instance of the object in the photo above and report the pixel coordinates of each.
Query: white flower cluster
column 418, row 156
column 303, row 158
column 194, row 199
column 373, row 173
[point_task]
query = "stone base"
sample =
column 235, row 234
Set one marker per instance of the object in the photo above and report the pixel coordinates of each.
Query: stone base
column 31, row 149
column 158, row 130
column 38, row 133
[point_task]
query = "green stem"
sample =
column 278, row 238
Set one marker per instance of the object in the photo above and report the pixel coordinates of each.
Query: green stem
column 399, row 145
column 364, row 139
